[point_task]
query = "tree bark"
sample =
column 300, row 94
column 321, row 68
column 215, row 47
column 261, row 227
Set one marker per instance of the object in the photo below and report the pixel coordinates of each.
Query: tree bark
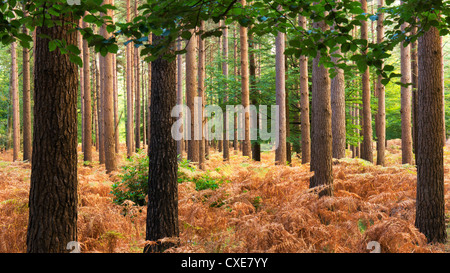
column 201, row 94
column 26, row 103
column 304, row 103
column 280, row 91
column 191, row 93
column 225, row 142
column 245, row 89
column 367, row 150
column 405, row 60
column 53, row 192
column 321, row 137
column 130, row 144
column 430, row 203
column 15, row 102
column 381, row 130
column 162, row 211
column 87, row 110
column 180, row 143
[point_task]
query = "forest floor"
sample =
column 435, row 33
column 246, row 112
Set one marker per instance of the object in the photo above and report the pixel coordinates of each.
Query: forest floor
column 258, row 207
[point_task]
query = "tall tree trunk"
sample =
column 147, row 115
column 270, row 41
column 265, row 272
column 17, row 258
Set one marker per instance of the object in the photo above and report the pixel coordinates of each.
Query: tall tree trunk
column 191, row 92
column 321, row 138
column 245, row 89
column 137, row 134
column 338, row 110
column 130, row 144
column 201, row 94
column 53, row 198
column 254, row 94
column 108, row 104
column 180, row 143
column 225, row 142
column 87, row 110
column 162, row 211
column 26, row 103
column 304, row 103
column 236, row 74
column 405, row 60
column 430, row 203
column 280, row 90
column 15, row 102
column 381, row 130
column 367, row 150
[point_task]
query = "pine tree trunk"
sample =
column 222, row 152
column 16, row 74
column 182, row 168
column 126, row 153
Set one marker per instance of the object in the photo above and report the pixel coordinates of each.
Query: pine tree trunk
column 137, row 133
column 108, row 104
column 321, row 138
column 304, row 103
column 180, row 143
column 53, row 192
column 225, row 142
column 430, row 204
column 367, row 150
column 280, row 91
column 15, row 102
column 191, row 93
column 87, row 110
column 26, row 103
column 338, row 110
column 245, row 89
column 201, row 94
column 162, row 211
column 405, row 60
column 130, row 144
column 381, row 130
column 256, row 147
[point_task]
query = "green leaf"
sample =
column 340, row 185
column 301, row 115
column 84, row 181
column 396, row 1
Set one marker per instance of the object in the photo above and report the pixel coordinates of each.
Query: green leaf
column 76, row 59
column 52, row 45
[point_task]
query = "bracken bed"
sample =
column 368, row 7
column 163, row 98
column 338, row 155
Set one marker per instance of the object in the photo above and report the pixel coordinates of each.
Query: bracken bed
column 261, row 208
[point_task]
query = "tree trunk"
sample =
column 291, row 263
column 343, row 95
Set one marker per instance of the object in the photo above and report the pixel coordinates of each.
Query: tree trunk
column 225, row 142
column 130, row 144
column 381, row 130
column 180, row 143
column 108, row 104
column 407, row 154
column 201, row 94
column 26, row 103
column 304, row 103
column 245, row 89
column 280, row 91
column 430, row 203
column 53, row 192
column 137, row 133
column 15, row 102
column 321, row 138
column 191, row 92
column 367, row 151
column 338, row 111
column 414, row 80
column 256, row 147
column 162, row 211
column 87, row 110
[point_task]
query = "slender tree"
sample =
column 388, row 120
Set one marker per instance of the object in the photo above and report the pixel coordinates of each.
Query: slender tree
column 245, row 89
column 191, row 93
column 180, row 143
column 367, row 151
column 26, row 102
column 381, row 120
column 225, row 142
column 129, row 64
column 201, row 93
column 15, row 102
column 280, row 90
column 304, row 103
column 87, row 109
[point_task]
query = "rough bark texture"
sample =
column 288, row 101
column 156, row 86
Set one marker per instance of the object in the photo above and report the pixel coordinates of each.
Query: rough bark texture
column 280, row 91
column 321, row 137
column 367, row 151
column 245, row 89
column 53, row 192
column 430, row 204
column 304, row 103
column 415, row 80
column 381, row 120
column 405, row 60
column 130, row 143
column 26, row 107
column 162, row 212
column 201, row 94
column 225, row 142
column 180, row 143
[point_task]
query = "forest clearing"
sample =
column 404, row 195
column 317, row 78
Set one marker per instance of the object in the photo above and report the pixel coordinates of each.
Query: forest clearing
column 260, row 208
